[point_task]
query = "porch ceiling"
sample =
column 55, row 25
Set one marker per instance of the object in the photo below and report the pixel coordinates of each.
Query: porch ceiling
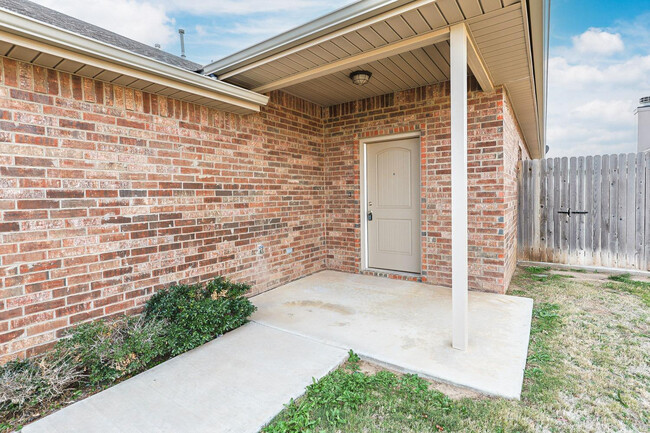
column 415, row 68
column 498, row 28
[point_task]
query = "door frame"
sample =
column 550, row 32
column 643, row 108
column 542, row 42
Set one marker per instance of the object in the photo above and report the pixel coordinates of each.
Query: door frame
column 363, row 202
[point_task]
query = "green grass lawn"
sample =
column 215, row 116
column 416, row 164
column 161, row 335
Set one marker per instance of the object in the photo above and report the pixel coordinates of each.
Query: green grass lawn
column 588, row 370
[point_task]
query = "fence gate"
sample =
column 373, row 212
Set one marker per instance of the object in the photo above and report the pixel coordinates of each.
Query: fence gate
column 590, row 210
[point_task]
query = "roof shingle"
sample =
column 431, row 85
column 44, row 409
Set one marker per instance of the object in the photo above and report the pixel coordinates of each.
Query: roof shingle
column 66, row 22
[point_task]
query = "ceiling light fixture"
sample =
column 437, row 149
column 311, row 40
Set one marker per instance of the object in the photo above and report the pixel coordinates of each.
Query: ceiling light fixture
column 360, row 77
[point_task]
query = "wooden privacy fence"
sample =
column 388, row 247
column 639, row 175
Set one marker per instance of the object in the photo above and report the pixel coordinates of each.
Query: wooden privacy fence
column 592, row 210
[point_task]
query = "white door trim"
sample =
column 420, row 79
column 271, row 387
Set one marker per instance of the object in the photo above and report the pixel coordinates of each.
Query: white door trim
column 363, row 202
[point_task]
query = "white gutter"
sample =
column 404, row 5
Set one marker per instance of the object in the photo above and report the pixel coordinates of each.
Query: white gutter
column 35, row 30
column 539, row 14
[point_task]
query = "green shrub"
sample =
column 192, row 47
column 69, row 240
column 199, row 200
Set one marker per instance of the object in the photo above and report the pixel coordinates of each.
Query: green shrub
column 108, row 350
column 98, row 353
column 195, row 314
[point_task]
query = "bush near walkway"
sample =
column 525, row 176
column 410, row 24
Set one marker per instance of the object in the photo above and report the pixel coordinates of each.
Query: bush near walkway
column 196, row 314
column 588, row 370
column 95, row 355
column 105, row 351
column 26, row 384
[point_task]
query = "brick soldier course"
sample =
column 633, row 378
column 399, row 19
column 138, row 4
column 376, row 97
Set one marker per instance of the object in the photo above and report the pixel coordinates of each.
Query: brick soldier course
column 108, row 194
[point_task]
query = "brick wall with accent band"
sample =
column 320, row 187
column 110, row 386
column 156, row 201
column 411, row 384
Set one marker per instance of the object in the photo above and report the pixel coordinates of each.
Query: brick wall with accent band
column 109, row 193
column 494, row 143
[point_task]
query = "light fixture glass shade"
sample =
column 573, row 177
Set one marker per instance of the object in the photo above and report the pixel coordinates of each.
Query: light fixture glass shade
column 360, row 77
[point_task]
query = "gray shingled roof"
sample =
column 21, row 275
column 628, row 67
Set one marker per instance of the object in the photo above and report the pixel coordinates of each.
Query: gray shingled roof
column 57, row 19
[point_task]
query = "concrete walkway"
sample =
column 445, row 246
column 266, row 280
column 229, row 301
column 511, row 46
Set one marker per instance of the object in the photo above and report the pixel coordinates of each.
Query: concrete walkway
column 236, row 383
column 303, row 330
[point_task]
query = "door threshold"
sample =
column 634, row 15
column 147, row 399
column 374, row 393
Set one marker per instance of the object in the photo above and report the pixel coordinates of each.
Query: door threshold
column 392, row 272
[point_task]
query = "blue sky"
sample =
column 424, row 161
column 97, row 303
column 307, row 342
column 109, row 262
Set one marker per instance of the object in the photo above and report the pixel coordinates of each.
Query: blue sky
column 599, row 62
column 599, row 67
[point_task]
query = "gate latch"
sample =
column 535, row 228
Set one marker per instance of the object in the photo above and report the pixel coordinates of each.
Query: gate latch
column 569, row 212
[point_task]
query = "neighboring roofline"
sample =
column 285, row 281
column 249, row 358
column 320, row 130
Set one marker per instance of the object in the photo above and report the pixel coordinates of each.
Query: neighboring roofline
column 26, row 27
column 342, row 17
column 539, row 16
column 57, row 19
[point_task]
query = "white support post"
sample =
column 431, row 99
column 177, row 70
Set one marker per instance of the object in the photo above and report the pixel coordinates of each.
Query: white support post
column 459, row 263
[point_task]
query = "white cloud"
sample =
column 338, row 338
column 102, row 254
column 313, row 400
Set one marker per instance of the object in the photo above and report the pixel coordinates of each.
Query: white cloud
column 598, row 41
column 610, row 112
column 261, row 26
column 214, row 28
column 594, row 86
column 591, row 107
column 636, row 33
column 231, row 26
column 239, row 7
column 142, row 21
column 568, row 72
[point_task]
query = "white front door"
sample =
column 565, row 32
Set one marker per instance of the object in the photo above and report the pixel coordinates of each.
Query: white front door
column 393, row 195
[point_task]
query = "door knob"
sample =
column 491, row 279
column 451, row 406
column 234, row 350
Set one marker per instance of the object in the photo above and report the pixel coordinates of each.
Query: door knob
column 369, row 216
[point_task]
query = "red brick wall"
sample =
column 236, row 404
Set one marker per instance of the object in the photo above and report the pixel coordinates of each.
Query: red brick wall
column 107, row 194
column 514, row 150
column 491, row 197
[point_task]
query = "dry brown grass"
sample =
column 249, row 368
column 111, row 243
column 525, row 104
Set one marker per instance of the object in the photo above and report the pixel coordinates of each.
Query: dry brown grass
column 604, row 348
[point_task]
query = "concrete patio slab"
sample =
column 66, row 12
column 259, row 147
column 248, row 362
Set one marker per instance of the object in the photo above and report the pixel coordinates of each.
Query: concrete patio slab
column 236, row 383
column 407, row 326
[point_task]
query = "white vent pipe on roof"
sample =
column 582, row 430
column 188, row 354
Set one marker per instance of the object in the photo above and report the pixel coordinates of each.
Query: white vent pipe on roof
column 181, row 32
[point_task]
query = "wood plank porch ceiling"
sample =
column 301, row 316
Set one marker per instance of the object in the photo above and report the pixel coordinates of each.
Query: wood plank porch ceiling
column 498, row 28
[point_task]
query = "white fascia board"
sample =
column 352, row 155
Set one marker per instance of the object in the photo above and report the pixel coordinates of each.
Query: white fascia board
column 35, row 30
column 539, row 16
column 339, row 18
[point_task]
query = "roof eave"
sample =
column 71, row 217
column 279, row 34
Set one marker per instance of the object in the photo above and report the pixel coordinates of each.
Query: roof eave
column 339, row 18
column 539, row 15
column 32, row 29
